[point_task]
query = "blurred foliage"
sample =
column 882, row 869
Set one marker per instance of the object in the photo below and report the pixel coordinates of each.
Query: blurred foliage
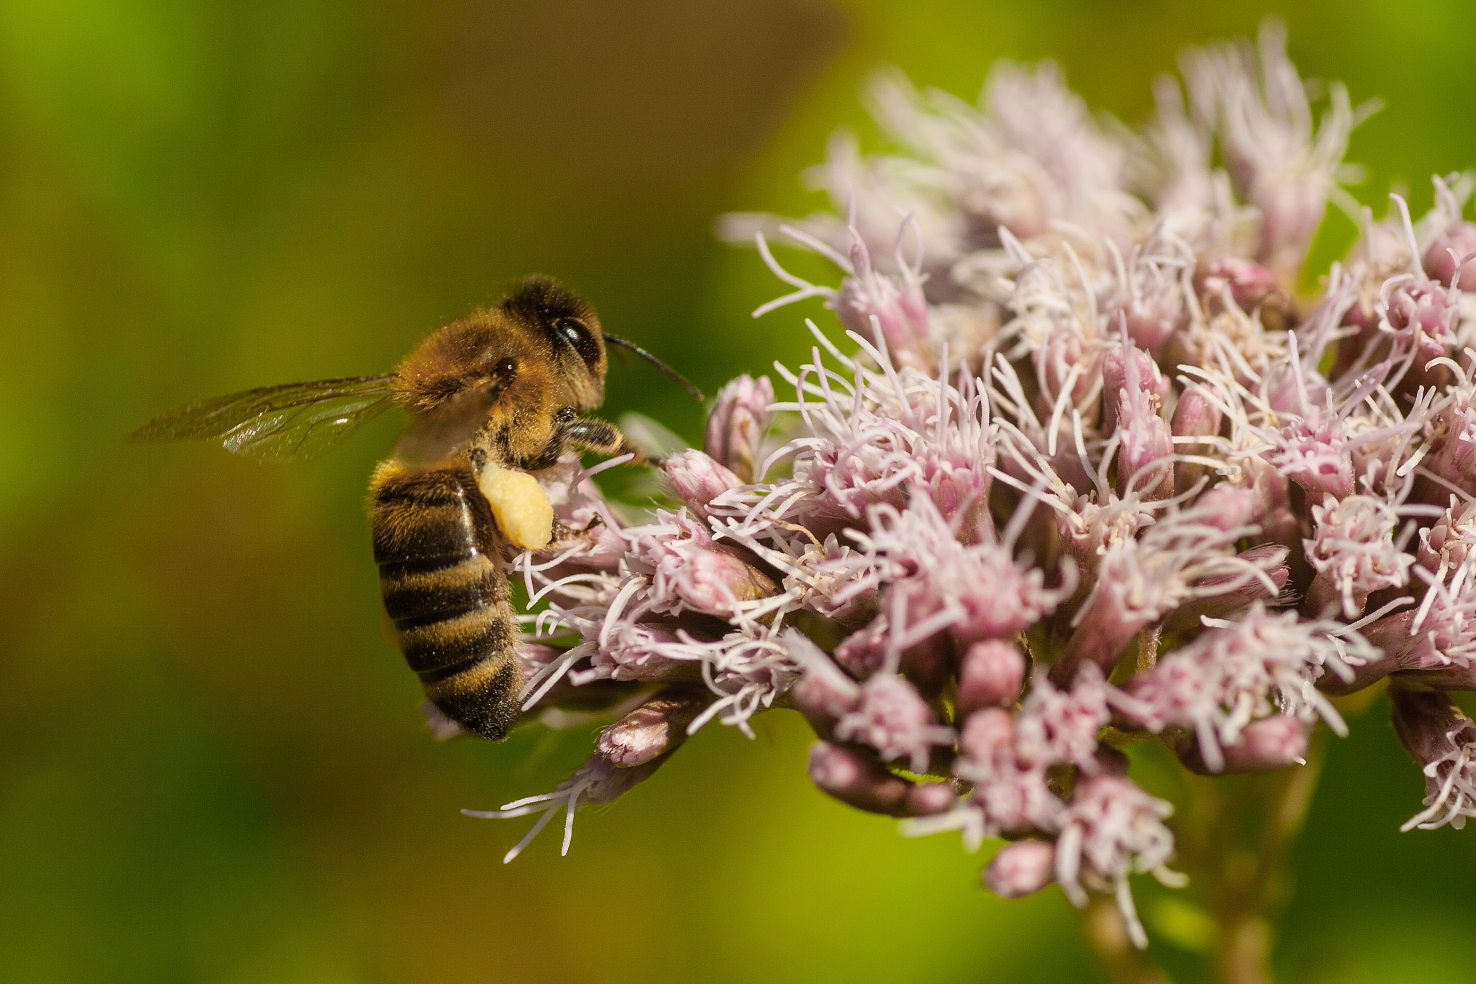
column 211, row 764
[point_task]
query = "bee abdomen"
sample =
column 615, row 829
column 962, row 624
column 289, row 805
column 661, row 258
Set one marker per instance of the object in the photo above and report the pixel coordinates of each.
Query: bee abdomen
column 446, row 592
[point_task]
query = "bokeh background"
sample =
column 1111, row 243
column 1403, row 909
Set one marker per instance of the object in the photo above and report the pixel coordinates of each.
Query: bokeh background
column 211, row 764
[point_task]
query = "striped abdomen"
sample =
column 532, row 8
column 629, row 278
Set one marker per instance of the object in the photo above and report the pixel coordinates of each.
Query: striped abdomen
column 446, row 592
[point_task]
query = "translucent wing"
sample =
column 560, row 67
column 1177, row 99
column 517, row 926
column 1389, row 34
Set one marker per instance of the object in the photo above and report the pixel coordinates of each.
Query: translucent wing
column 291, row 422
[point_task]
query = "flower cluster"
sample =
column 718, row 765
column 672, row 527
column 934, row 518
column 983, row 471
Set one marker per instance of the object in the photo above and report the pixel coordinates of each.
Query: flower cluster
column 1092, row 469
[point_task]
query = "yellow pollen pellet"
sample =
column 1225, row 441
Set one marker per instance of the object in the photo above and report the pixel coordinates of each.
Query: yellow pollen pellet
column 520, row 506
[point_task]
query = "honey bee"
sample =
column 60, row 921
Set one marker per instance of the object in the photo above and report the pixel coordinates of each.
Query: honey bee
column 491, row 397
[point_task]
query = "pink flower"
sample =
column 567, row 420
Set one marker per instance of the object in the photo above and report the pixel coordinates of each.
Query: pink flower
column 892, row 718
column 1240, row 671
column 1354, row 554
column 1060, row 727
column 1110, row 830
column 1081, row 429
column 1442, row 741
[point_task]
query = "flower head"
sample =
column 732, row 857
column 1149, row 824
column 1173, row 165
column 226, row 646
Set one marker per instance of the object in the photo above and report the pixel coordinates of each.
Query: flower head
column 1090, row 469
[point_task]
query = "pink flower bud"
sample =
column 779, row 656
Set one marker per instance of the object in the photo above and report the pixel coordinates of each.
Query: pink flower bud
column 991, row 675
column 988, row 739
column 698, row 479
column 717, row 582
column 1228, row 507
column 1142, row 456
column 737, row 424
column 863, row 652
column 1460, row 239
column 1249, row 284
column 1196, row 415
column 1021, row 868
column 653, row 729
column 1132, row 396
column 1266, row 745
column 865, row 783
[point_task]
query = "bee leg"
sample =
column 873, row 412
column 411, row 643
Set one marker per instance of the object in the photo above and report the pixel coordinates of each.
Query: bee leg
column 563, row 533
column 601, row 437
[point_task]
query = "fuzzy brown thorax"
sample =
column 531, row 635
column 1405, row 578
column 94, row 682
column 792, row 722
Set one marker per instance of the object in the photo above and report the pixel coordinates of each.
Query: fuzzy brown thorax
column 504, row 378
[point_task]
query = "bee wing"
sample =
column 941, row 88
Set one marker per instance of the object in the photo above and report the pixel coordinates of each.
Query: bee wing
column 291, row 422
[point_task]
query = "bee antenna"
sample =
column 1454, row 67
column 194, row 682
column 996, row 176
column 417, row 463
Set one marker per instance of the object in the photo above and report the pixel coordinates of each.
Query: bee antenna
column 671, row 373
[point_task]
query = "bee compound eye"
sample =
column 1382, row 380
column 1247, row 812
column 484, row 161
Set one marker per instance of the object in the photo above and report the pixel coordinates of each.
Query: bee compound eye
column 579, row 338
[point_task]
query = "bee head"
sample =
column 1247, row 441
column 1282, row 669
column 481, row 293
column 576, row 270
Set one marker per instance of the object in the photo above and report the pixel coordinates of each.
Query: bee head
column 540, row 337
column 569, row 331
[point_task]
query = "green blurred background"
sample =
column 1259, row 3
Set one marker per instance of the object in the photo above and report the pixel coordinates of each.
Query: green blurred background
column 213, row 768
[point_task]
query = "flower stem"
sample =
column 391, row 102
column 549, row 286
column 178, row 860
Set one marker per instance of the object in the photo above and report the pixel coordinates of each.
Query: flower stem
column 1107, row 935
column 1236, row 836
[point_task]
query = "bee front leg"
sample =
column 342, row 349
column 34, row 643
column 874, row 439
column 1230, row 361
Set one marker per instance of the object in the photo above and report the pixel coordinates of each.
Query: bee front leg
column 563, row 533
column 602, row 437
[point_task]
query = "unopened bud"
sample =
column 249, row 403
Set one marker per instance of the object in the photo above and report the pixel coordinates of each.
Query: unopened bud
column 1132, row 395
column 736, row 426
column 1142, row 455
column 1227, row 507
column 1249, row 284
column 1021, row 868
column 698, row 479
column 992, row 674
column 1271, row 743
column 1196, row 415
column 987, row 735
column 1440, row 265
column 824, row 695
column 864, row 651
column 860, row 781
column 716, row 581
column 653, row 729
